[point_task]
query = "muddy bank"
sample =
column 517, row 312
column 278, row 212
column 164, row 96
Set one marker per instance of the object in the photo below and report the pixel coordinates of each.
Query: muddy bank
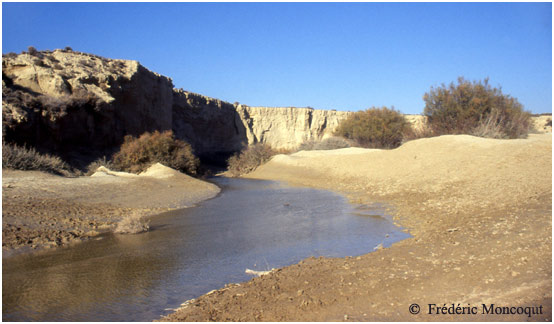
column 40, row 210
column 480, row 213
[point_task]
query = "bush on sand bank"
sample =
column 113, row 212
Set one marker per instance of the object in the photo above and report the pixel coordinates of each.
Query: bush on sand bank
column 475, row 108
column 23, row 158
column 374, row 128
column 331, row 143
column 249, row 159
column 137, row 154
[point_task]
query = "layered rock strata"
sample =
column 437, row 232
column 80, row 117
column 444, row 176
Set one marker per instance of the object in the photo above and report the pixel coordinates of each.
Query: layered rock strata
column 286, row 128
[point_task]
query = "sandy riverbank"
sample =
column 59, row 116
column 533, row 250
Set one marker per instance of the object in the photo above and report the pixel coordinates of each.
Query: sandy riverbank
column 41, row 210
column 479, row 210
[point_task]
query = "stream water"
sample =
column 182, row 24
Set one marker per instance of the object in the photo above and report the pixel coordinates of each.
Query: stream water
column 251, row 224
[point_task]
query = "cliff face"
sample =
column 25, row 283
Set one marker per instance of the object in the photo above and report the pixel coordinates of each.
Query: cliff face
column 60, row 100
column 213, row 126
column 210, row 125
column 287, row 127
column 63, row 100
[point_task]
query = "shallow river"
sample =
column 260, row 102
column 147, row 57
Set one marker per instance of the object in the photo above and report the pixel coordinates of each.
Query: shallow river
column 252, row 224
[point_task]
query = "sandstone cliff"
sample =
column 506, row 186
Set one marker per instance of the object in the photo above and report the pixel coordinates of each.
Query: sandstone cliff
column 210, row 125
column 288, row 127
column 215, row 126
column 60, row 100
column 63, row 100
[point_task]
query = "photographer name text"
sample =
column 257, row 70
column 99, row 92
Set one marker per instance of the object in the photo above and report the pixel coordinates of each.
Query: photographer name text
column 483, row 309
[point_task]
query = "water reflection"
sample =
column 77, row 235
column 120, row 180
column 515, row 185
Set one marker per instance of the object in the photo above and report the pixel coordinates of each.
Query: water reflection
column 251, row 224
column 71, row 283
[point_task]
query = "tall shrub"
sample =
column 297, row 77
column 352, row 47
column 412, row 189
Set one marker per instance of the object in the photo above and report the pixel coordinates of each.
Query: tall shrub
column 249, row 159
column 32, row 50
column 137, row 154
column 23, row 158
column 374, row 128
column 475, row 108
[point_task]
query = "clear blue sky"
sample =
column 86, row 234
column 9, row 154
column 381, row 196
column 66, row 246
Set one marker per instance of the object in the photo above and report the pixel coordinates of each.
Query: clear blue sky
column 344, row 56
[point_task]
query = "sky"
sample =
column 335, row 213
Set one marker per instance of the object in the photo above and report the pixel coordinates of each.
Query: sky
column 344, row 56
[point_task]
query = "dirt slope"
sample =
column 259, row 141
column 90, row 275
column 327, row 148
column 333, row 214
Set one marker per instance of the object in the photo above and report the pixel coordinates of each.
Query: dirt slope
column 41, row 210
column 479, row 210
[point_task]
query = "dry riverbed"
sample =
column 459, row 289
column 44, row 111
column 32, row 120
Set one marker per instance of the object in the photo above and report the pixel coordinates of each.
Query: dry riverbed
column 40, row 210
column 479, row 210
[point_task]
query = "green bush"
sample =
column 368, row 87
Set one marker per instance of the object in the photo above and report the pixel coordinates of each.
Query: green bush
column 249, row 159
column 374, row 128
column 138, row 154
column 475, row 108
column 22, row 158
column 331, row 143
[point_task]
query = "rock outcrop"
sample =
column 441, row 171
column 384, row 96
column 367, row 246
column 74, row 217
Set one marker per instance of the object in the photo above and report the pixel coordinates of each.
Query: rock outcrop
column 62, row 100
column 59, row 100
column 215, row 126
column 65, row 99
column 286, row 128
column 210, row 125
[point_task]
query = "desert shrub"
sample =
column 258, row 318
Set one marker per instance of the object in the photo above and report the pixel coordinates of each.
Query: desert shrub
column 249, row 159
column 413, row 133
column 23, row 158
column 495, row 126
column 93, row 166
column 475, row 108
column 331, row 143
column 137, row 154
column 32, row 50
column 68, row 49
column 132, row 224
column 374, row 128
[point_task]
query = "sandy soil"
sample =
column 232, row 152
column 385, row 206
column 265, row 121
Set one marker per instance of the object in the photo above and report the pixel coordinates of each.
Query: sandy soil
column 479, row 210
column 40, row 210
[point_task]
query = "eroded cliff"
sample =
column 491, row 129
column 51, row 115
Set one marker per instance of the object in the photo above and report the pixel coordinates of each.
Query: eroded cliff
column 211, row 126
column 61, row 100
column 288, row 127
column 64, row 100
